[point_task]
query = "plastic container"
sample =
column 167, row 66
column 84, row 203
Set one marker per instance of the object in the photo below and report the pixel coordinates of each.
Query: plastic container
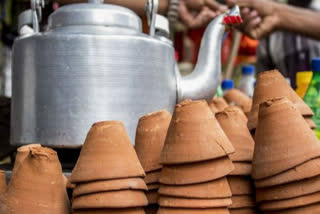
column 312, row 97
column 303, row 80
column 246, row 84
column 227, row 85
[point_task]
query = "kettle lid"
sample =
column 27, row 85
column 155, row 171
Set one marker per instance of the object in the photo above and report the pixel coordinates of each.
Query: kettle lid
column 94, row 14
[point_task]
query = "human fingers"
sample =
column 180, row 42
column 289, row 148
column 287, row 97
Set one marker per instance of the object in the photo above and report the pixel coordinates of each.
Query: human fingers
column 253, row 24
column 216, row 6
column 241, row 3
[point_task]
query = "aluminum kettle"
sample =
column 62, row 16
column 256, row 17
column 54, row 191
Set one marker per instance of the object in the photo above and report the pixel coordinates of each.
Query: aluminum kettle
column 93, row 63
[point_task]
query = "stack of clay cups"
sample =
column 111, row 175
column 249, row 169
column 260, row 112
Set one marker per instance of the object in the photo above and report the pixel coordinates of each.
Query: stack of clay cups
column 218, row 104
column 195, row 161
column 234, row 124
column 150, row 136
column 286, row 162
column 235, row 97
column 37, row 184
column 108, row 175
column 3, row 182
column 271, row 84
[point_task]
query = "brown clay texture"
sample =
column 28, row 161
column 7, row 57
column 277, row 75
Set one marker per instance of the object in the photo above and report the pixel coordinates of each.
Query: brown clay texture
column 152, row 196
column 310, row 209
column 196, row 172
column 279, row 136
column 243, row 211
column 194, row 135
column 150, row 136
column 310, row 122
column 240, row 185
column 306, row 170
column 271, row 84
column 37, row 186
column 110, row 211
column 212, row 107
column 151, row 209
column 110, row 185
column 153, row 186
column 152, row 177
column 107, row 154
column 234, row 124
column 242, row 168
column 166, row 201
column 219, row 103
column 22, row 153
column 291, row 203
column 213, row 189
column 287, row 191
column 236, row 97
column 242, row 201
column 165, row 210
column 3, row 182
column 113, row 199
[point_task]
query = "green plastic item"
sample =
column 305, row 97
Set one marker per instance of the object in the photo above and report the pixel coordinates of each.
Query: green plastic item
column 312, row 97
column 219, row 92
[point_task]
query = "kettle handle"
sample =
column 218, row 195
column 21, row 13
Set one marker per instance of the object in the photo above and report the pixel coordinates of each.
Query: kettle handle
column 152, row 10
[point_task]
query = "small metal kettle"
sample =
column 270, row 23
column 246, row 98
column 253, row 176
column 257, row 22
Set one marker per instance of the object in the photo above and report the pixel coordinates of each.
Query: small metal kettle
column 93, row 63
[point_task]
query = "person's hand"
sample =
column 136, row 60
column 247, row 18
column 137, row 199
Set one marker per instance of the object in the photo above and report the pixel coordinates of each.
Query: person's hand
column 198, row 13
column 260, row 17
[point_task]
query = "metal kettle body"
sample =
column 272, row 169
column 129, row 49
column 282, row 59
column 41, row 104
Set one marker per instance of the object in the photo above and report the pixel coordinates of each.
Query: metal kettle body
column 93, row 63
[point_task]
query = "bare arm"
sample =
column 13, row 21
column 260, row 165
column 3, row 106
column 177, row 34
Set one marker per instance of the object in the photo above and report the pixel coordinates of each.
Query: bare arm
column 135, row 5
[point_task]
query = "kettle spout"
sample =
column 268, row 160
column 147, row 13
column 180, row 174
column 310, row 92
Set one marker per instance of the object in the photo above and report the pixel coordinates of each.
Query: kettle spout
column 203, row 82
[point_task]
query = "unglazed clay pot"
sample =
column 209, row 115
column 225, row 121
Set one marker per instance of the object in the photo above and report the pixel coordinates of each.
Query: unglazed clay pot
column 152, row 177
column 219, row 103
column 113, row 199
column 194, row 135
column 166, row 201
column 271, row 84
column 213, row 108
column 242, row 201
column 213, row 189
column 306, row 170
column 110, row 211
column 241, row 185
column 196, row 172
column 22, row 153
column 310, row 209
column 109, row 185
column 150, row 136
column 165, row 210
column 241, row 168
column 291, row 203
column 290, row 141
column 37, row 186
column 310, row 122
column 3, row 182
column 153, row 186
column 234, row 124
column 243, row 211
column 152, row 196
column 291, row 190
column 236, row 97
column 107, row 154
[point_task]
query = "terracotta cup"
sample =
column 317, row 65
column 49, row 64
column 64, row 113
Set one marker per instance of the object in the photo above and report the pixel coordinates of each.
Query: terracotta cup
column 152, row 177
column 242, row 201
column 271, row 84
column 22, row 153
column 291, row 203
column 152, row 197
column 241, row 168
column 153, row 186
column 241, row 185
column 219, row 104
column 306, row 170
column 166, row 210
column 236, row 97
column 290, row 141
column 314, row 208
column 166, row 201
column 109, row 185
column 213, row 189
column 290, row 190
column 110, row 211
column 113, row 199
column 107, row 154
column 38, row 179
column 3, row 181
column 310, row 122
column 196, row 172
column 243, row 211
column 234, row 124
column 194, row 135
column 150, row 136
